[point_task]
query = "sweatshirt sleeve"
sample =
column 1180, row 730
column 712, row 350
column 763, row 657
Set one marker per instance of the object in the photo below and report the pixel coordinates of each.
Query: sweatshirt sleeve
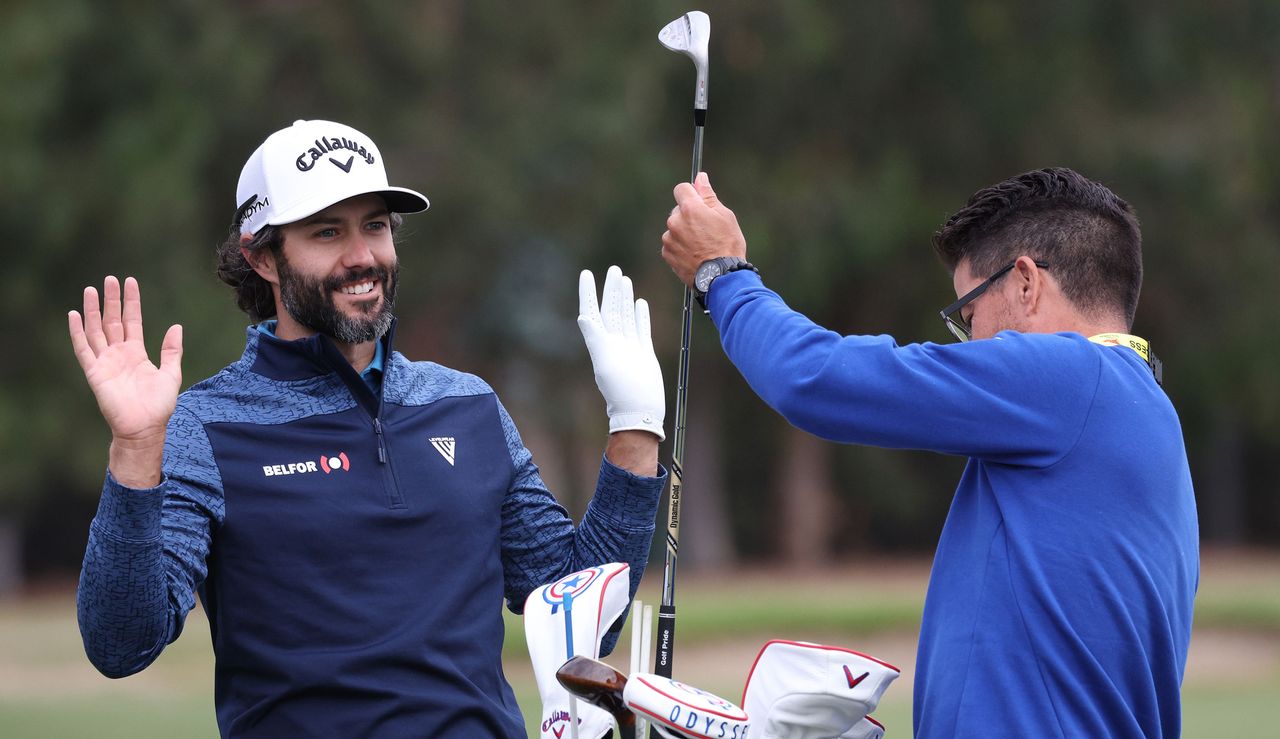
column 146, row 555
column 540, row 543
column 1015, row 399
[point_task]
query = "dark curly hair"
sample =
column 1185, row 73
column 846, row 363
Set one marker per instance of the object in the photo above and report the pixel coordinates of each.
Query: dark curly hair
column 253, row 294
column 1086, row 233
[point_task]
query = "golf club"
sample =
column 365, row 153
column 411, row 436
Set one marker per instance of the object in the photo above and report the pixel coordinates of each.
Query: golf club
column 598, row 684
column 688, row 35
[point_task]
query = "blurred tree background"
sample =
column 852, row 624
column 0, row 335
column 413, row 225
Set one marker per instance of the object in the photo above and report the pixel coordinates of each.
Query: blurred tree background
column 548, row 137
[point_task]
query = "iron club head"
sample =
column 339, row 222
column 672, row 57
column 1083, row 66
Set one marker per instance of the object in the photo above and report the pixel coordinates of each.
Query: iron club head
column 689, row 35
column 598, row 684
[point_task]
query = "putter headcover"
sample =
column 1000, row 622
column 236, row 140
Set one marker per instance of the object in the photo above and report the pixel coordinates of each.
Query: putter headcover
column 798, row 690
column 679, row 710
column 566, row 618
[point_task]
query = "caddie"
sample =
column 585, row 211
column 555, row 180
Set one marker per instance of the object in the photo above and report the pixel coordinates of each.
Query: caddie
column 1061, row 598
column 351, row 520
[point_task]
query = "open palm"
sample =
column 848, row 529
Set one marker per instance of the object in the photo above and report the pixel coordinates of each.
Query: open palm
column 135, row 396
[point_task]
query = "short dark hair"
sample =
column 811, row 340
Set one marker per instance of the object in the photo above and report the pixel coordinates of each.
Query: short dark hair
column 253, row 294
column 1088, row 235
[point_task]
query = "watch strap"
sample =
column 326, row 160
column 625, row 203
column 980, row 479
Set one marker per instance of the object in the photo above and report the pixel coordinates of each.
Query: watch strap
column 727, row 265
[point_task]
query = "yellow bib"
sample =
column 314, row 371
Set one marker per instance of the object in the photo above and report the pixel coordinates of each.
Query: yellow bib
column 1139, row 345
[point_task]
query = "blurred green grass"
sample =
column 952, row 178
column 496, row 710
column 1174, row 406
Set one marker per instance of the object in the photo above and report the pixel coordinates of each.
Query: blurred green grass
column 48, row 689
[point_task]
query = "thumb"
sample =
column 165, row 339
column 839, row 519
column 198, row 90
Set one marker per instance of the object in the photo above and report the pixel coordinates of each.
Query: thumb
column 591, row 330
column 702, row 184
column 171, row 352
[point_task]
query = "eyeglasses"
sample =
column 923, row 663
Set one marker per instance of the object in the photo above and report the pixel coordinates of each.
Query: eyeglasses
column 957, row 324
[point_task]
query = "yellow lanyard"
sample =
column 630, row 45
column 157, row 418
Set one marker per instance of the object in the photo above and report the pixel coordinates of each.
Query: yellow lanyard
column 1139, row 345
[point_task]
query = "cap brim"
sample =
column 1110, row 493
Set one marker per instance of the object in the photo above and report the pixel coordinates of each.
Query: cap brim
column 398, row 200
column 404, row 200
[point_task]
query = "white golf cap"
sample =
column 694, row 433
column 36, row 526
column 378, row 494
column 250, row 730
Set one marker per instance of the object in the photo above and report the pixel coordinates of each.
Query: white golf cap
column 303, row 169
column 800, row 690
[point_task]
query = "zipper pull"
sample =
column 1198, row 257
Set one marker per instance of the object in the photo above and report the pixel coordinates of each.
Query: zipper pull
column 377, row 429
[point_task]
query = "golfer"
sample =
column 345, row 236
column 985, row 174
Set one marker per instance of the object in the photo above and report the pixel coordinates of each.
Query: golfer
column 1061, row 596
column 351, row 520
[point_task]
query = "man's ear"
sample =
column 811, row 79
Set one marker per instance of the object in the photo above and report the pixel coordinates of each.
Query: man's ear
column 1030, row 282
column 263, row 261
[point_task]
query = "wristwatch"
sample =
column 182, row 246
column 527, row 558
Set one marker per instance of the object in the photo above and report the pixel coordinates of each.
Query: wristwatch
column 709, row 270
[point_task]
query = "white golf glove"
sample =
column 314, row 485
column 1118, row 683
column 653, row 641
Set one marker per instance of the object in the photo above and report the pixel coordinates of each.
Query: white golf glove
column 617, row 335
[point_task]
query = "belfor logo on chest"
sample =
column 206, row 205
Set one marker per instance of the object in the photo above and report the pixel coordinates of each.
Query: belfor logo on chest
column 327, row 464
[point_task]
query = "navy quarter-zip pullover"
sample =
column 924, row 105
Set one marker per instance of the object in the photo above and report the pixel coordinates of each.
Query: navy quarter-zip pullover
column 352, row 550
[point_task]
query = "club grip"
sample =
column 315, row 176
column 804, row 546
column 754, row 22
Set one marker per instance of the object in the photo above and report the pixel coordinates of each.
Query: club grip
column 666, row 648
column 666, row 640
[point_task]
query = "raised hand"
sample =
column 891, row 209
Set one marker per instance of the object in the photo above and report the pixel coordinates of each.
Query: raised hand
column 616, row 331
column 135, row 396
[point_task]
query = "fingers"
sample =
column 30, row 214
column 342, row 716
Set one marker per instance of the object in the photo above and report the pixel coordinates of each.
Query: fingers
column 119, row 319
column 642, row 325
column 673, row 254
column 588, row 306
column 111, row 325
column 79, row 342
column 619, row 304
column 611, row 303
column 618, row 312
column 627, row 307
column 171, row 352
column 132, row 316
column 93, row 321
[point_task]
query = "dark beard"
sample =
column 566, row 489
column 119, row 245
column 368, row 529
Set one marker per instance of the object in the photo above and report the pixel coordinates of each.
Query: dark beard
column 310, row 302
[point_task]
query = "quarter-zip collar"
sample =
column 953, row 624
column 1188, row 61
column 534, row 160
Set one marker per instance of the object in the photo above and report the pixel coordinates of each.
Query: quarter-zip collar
column 313, row 356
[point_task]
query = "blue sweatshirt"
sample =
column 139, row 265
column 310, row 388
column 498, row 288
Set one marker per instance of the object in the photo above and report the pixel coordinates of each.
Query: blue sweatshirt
column 352, row 550
column 1060, row 602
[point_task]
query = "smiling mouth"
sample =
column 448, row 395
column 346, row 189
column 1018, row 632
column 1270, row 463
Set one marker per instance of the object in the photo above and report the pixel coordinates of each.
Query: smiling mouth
column 359, row 288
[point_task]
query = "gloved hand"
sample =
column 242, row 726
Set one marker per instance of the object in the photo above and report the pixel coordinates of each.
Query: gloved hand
column 617, row 335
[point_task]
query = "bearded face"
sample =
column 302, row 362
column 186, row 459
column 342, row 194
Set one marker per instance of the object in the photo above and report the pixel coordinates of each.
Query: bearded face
column 312, row 300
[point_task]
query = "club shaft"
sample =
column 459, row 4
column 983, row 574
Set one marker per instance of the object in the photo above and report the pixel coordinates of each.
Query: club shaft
column 699, row 115
column 667, row 609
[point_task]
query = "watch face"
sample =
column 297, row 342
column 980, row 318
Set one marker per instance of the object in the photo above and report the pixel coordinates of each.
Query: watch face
column 706, row 273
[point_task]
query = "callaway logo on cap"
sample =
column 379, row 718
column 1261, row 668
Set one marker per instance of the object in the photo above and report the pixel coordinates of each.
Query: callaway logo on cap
column 303, row 169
